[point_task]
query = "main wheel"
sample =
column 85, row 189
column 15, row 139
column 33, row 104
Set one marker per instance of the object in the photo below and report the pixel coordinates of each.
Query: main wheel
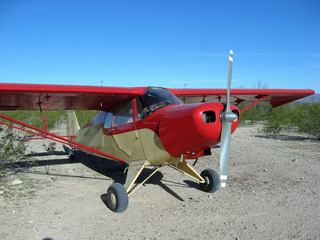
column 212, row 180
column 117, row 198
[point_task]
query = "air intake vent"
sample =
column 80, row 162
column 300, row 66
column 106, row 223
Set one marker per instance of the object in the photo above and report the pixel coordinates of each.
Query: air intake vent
column 236, row 112
column 209, row 116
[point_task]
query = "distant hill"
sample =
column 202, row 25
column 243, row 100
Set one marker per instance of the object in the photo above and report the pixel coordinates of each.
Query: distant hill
column 311, row 99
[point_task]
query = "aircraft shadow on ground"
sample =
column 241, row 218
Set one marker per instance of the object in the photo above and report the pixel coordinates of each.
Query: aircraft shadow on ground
column 110, row 169
column 115, row 170
column 48, row 153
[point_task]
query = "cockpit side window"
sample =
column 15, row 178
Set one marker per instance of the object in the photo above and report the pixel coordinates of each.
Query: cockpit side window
column 104, row 118
column 108, row 120
column 141, row 111
column 154, row 99
column 123, row 114
column 98, row 118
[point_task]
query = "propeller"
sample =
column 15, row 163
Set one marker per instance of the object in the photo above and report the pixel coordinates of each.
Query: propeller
column 227, row 117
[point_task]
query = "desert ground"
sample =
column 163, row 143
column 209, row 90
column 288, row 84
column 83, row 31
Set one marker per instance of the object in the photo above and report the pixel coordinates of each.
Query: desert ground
column 273, row 193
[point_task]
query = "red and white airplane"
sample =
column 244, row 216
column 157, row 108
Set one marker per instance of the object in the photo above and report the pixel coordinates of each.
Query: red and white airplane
column 145, row 126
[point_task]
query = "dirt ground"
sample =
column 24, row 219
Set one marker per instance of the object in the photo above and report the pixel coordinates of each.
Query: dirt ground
column 273, row 193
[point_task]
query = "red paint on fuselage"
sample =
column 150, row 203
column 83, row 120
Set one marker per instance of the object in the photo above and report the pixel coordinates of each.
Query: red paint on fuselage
column 182, row 128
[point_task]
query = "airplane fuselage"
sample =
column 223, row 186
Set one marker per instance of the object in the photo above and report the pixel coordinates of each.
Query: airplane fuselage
column 156, row 127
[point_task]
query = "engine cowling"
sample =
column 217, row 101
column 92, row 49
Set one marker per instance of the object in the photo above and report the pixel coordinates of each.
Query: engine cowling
column 191, row 129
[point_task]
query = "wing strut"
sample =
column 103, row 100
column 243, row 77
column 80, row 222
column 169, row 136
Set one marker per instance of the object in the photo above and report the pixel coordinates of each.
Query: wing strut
column 54, row 137
column 259, row 100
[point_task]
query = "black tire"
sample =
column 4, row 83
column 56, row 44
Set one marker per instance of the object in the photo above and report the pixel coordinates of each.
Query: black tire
column 66, row 149
column 73, row 155
column 117, row 198
column 212, row 180
column 71, row 152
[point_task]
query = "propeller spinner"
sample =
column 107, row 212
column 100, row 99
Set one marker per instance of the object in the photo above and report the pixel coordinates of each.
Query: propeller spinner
column 227, row 117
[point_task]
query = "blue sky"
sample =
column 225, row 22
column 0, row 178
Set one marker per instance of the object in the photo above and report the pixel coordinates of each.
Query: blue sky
column 164, row 43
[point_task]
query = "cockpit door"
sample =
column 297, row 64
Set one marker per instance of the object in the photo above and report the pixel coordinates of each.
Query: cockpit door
column 123, row 129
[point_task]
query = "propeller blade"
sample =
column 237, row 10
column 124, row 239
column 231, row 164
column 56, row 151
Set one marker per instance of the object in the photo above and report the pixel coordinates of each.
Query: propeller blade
column 229, row 80
column 227, row 118
column 225, row 152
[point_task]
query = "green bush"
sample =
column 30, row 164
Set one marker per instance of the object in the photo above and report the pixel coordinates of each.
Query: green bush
column 307, row 119
column 304, row 116
column 12, row 142
column 12, row 145
column 33, row 118
column 272, row 127
column 257, row 113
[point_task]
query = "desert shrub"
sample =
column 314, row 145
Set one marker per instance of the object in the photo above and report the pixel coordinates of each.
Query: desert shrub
column 12, row 145
column 50, row 147
column 307, row 119
column 272, row 127
column 257, row 113
column 304, row 116
column 274, row 122
column 32, row 117
column 12, row 141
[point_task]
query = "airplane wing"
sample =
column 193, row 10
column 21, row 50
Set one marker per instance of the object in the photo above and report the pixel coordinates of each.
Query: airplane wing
column 275, row 97
column 63, row 97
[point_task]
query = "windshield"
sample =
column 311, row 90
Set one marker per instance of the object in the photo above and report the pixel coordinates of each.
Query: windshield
column 153, row 99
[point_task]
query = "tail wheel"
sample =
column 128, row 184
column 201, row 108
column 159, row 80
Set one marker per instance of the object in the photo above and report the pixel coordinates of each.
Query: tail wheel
column 117, row 198
column 72, row 156
column 212, row 180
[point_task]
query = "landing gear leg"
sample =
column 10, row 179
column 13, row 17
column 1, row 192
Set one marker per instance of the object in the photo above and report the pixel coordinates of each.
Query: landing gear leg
column 182, row 166
column 209, row 179
column 117, row 195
